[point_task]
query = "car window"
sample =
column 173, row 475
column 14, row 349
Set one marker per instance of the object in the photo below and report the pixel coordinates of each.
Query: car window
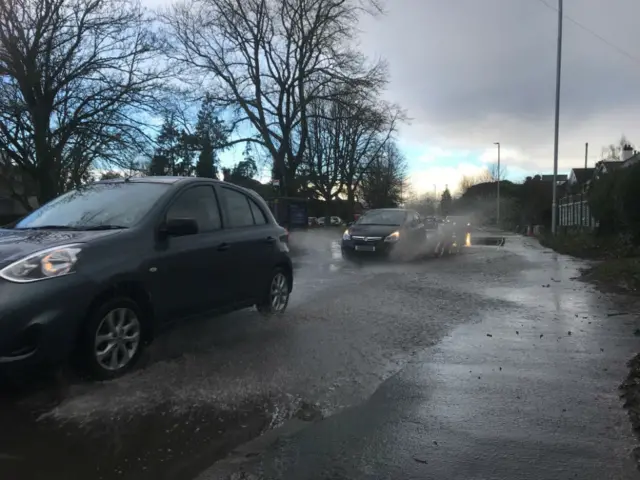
column 118, row 204
column 258, row 214
column 383, row 217
column 200, row 204
column 238, row 207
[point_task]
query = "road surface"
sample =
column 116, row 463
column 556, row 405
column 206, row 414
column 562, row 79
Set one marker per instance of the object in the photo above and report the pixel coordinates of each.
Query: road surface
column 497, row 363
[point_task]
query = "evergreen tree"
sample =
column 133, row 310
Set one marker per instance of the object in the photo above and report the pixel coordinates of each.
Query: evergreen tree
column 446, row 202
column 210, row 136
column 173, row 155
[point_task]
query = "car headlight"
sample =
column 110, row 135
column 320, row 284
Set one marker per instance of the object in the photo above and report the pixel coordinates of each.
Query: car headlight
column 49, row 263
column 346, row 235
column 393, row 238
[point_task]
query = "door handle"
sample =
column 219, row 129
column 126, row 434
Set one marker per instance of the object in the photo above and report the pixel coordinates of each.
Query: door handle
column 269, row 240
column 223, row 247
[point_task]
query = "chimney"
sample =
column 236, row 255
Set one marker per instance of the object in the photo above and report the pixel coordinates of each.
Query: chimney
column 627, row 152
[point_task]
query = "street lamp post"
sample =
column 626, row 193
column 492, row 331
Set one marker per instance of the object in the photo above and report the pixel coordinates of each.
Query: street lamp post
column 498, row 200
column 554, row 203
column 435, row 199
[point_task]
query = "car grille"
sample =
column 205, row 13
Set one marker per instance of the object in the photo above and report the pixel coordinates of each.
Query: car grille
column 362, row 240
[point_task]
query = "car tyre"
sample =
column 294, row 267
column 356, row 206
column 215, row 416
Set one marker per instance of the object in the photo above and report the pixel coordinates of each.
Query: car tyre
column 275, row 298
column 111, row 341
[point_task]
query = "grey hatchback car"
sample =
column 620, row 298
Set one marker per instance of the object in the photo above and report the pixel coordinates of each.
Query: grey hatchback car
column 96, row 273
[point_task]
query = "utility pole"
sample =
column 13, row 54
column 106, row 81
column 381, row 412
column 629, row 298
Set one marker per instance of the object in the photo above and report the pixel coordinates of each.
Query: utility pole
column 554, row 204
column 498, row 200
column 586, row 154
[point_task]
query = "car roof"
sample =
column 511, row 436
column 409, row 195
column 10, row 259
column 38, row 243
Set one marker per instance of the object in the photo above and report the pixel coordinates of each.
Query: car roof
column 158, row 179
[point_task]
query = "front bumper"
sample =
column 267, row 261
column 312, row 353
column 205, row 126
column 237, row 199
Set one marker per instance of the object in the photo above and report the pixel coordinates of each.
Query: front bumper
column 39, row 321
column 364, row 248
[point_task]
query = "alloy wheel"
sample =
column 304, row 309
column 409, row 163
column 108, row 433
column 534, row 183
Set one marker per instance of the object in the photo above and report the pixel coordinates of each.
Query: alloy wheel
column 279, row 293
column 117, row 339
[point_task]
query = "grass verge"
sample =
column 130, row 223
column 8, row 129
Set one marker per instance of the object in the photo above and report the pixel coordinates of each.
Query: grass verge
column 618, row 266
column 630, row 393
column 618, row 274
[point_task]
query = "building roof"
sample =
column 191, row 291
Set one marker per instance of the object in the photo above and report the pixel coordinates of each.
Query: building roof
column 609, row 164
column 632, row 160
column 583, row 175
column 549, row 178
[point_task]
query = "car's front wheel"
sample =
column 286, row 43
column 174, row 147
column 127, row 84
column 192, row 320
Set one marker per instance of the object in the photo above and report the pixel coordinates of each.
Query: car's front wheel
column 111, row 341
column 276, row 297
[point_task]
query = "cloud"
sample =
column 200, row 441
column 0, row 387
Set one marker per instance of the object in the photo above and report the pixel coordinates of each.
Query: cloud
column 475, row 72
column 422, row 180
column 433, row 154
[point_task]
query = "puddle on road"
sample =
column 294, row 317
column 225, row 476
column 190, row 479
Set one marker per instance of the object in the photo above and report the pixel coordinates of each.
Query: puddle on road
column 158, row 445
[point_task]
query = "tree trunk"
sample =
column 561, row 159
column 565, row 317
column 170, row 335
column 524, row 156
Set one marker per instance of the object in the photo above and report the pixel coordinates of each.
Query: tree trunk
column 351, row 200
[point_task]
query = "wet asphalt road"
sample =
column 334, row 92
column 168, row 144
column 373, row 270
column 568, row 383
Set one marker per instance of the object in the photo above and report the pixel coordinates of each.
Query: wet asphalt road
column 526, row 389
column 396, row 357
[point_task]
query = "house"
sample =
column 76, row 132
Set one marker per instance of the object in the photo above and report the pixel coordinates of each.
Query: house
column 579, row 180
column 630, row 157
column 573, row 207
column 549, row 178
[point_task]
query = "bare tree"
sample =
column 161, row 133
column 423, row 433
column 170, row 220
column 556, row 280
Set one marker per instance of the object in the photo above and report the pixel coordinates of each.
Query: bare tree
column 384, row 183
column 369, row 129
column 77, row 76
column 324, row 154
column 613, row 152
column 488, row 175
column 268, row 60
column 425, row 204
column 494, row 174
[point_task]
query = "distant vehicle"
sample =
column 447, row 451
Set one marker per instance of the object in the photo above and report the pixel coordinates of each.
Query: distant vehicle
column 312, row 221
column 335, row 221
column 384, row 232
column 430, row 223
column 94, row 274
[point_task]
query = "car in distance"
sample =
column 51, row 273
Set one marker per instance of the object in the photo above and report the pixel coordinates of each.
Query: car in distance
column 94, row 274
column 388, row 232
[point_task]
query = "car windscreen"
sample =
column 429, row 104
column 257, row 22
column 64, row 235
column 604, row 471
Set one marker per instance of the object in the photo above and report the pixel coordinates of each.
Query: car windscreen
column 100, row 205
column 382, row 217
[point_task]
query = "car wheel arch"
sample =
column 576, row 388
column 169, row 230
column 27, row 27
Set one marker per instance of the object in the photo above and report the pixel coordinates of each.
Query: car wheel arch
column 135, row 291
column 288, row 270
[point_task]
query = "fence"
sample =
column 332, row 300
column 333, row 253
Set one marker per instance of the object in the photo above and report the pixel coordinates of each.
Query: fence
column 573, row 211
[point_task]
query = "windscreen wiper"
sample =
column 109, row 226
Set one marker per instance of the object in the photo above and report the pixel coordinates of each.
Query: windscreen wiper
column 77, row 228
column 49, row 227
column 102, row 227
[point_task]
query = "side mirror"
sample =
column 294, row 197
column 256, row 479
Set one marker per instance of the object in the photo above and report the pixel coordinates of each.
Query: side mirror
column 179, row 227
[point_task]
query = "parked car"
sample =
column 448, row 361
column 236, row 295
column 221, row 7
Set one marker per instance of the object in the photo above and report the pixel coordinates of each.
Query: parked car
column 95, row 274
column 385, row 232
column 334, row 221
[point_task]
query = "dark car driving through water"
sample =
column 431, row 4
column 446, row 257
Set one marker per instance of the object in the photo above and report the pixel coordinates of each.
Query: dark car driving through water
column 94, row 274
column 385, row 232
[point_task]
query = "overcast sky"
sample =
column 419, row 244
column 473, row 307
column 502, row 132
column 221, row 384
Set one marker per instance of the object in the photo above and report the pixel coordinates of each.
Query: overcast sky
column 474, row 72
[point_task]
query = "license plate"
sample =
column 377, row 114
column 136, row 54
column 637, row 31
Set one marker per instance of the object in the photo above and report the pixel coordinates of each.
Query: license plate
column 365, row 248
